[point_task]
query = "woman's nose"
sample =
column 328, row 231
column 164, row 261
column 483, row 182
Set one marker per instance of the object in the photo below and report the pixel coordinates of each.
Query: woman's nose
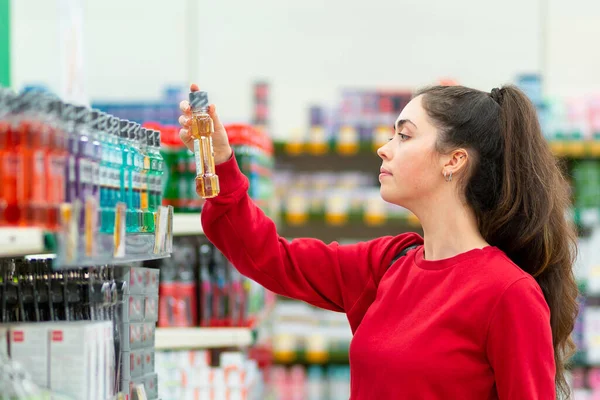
column 382, row 152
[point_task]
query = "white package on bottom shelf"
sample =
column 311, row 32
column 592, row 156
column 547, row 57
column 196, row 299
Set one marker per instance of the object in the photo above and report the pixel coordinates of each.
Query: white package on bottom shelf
column 29, row 344
column 3, row 341
column 76, row 353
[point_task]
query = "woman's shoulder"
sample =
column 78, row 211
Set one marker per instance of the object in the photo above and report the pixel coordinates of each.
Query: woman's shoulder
column 499, row 272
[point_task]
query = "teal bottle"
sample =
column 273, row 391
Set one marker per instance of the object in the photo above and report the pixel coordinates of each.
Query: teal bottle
column 145, row 169
column 126, row 171
column 136, row 173
column 155, row 185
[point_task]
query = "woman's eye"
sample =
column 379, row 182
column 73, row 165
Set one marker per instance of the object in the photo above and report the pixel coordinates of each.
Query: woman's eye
column 403, row 137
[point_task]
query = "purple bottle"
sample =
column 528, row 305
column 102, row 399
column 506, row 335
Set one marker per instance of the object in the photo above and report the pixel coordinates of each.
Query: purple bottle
column 87, row 181
column 72, row 164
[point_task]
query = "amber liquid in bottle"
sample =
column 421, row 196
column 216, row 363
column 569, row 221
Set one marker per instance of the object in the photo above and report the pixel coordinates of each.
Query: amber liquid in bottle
column 202, row 129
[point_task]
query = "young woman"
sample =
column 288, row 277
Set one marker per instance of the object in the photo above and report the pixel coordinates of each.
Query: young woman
column 483, row 307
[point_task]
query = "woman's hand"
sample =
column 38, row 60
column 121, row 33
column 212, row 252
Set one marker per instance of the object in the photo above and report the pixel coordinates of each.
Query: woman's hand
column 221, row 147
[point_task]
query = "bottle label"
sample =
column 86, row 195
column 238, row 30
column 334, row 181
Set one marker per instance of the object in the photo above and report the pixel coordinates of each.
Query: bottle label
column 72, row 169
column 38, row 163
column 85, row 171
column 38, row 187
column 103, row 176
column 95, row 173
column 198, row 157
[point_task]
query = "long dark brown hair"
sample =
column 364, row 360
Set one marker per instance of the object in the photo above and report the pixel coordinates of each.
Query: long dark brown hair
column 517, row 191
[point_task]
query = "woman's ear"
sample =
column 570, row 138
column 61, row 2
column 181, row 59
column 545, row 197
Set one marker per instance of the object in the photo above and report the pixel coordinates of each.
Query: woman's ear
column 455, row 162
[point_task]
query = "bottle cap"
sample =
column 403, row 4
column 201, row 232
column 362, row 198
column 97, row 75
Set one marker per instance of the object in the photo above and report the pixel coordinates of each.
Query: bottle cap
column 142, row 134
column 93, row 119
column 68, row 112
column 102, row 124
column 82, row 114
column 157, row 138
column 149, row 137
column 114, row 125
column 123, row 128
column 198, row 100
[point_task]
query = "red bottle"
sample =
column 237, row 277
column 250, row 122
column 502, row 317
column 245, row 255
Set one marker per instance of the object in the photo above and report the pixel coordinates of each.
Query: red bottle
column 55, row 164
column 10, row 164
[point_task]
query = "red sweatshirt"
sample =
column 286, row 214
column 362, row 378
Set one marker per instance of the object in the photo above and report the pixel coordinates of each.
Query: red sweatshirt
column 474, row 326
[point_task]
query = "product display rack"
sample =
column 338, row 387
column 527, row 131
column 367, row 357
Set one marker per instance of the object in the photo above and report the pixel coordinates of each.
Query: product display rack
column 186, row 224
column 202, row 338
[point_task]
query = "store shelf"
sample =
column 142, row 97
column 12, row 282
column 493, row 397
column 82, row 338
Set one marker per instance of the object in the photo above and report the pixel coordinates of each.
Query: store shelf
column 16, row 242
column 138, row 247
column 187, row 224
column 567, row 149
column 202, row 338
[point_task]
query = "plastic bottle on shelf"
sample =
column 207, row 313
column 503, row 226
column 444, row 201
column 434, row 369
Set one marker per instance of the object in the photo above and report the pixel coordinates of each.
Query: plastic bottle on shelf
column 102, row 128
column 55, row 164
column 155, row 174
column 32, row 194
column 126, row 169
column 86, row 161
column 171, row 150
column 72, row 165
column 145, row 165
column 135, row 213
column 10, row 210
column 114, row 174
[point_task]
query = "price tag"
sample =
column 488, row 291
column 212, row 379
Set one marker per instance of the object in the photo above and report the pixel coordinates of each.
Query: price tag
column 296, row 207
column 169, row 239
column 91, row 226
column 139, row 393
column 381, row 136
column 160, row 235
column 119, row 235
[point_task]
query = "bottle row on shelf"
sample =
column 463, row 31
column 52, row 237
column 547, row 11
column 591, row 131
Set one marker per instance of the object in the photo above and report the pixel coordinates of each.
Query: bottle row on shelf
column 193, row 375
column 307, row 335
column 362, row 120
column 314, row 382
column 85, row 333
column 84, row 174
column 54, row 153
column 338, row 198
column 335, row 198
column 199, row 287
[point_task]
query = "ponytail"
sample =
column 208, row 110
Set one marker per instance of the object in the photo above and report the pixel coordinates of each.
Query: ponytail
column 518, row 193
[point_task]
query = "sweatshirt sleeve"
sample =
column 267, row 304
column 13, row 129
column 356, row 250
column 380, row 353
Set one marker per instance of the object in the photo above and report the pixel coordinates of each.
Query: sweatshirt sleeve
column 519, row 344
column 328, row 276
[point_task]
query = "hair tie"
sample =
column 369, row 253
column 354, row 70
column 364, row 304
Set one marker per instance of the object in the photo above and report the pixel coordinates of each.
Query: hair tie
column 497, row 95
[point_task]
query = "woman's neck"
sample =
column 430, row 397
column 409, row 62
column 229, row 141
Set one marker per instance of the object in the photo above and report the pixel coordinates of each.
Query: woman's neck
column 450, row 228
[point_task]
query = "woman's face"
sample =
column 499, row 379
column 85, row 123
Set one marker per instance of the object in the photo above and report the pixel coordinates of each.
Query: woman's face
column 412, row 169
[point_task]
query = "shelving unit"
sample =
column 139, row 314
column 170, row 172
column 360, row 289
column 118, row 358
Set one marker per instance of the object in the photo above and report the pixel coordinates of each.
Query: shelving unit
column 570, row 149
column 185, row 224
column 16, row 242
column 202, row 338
